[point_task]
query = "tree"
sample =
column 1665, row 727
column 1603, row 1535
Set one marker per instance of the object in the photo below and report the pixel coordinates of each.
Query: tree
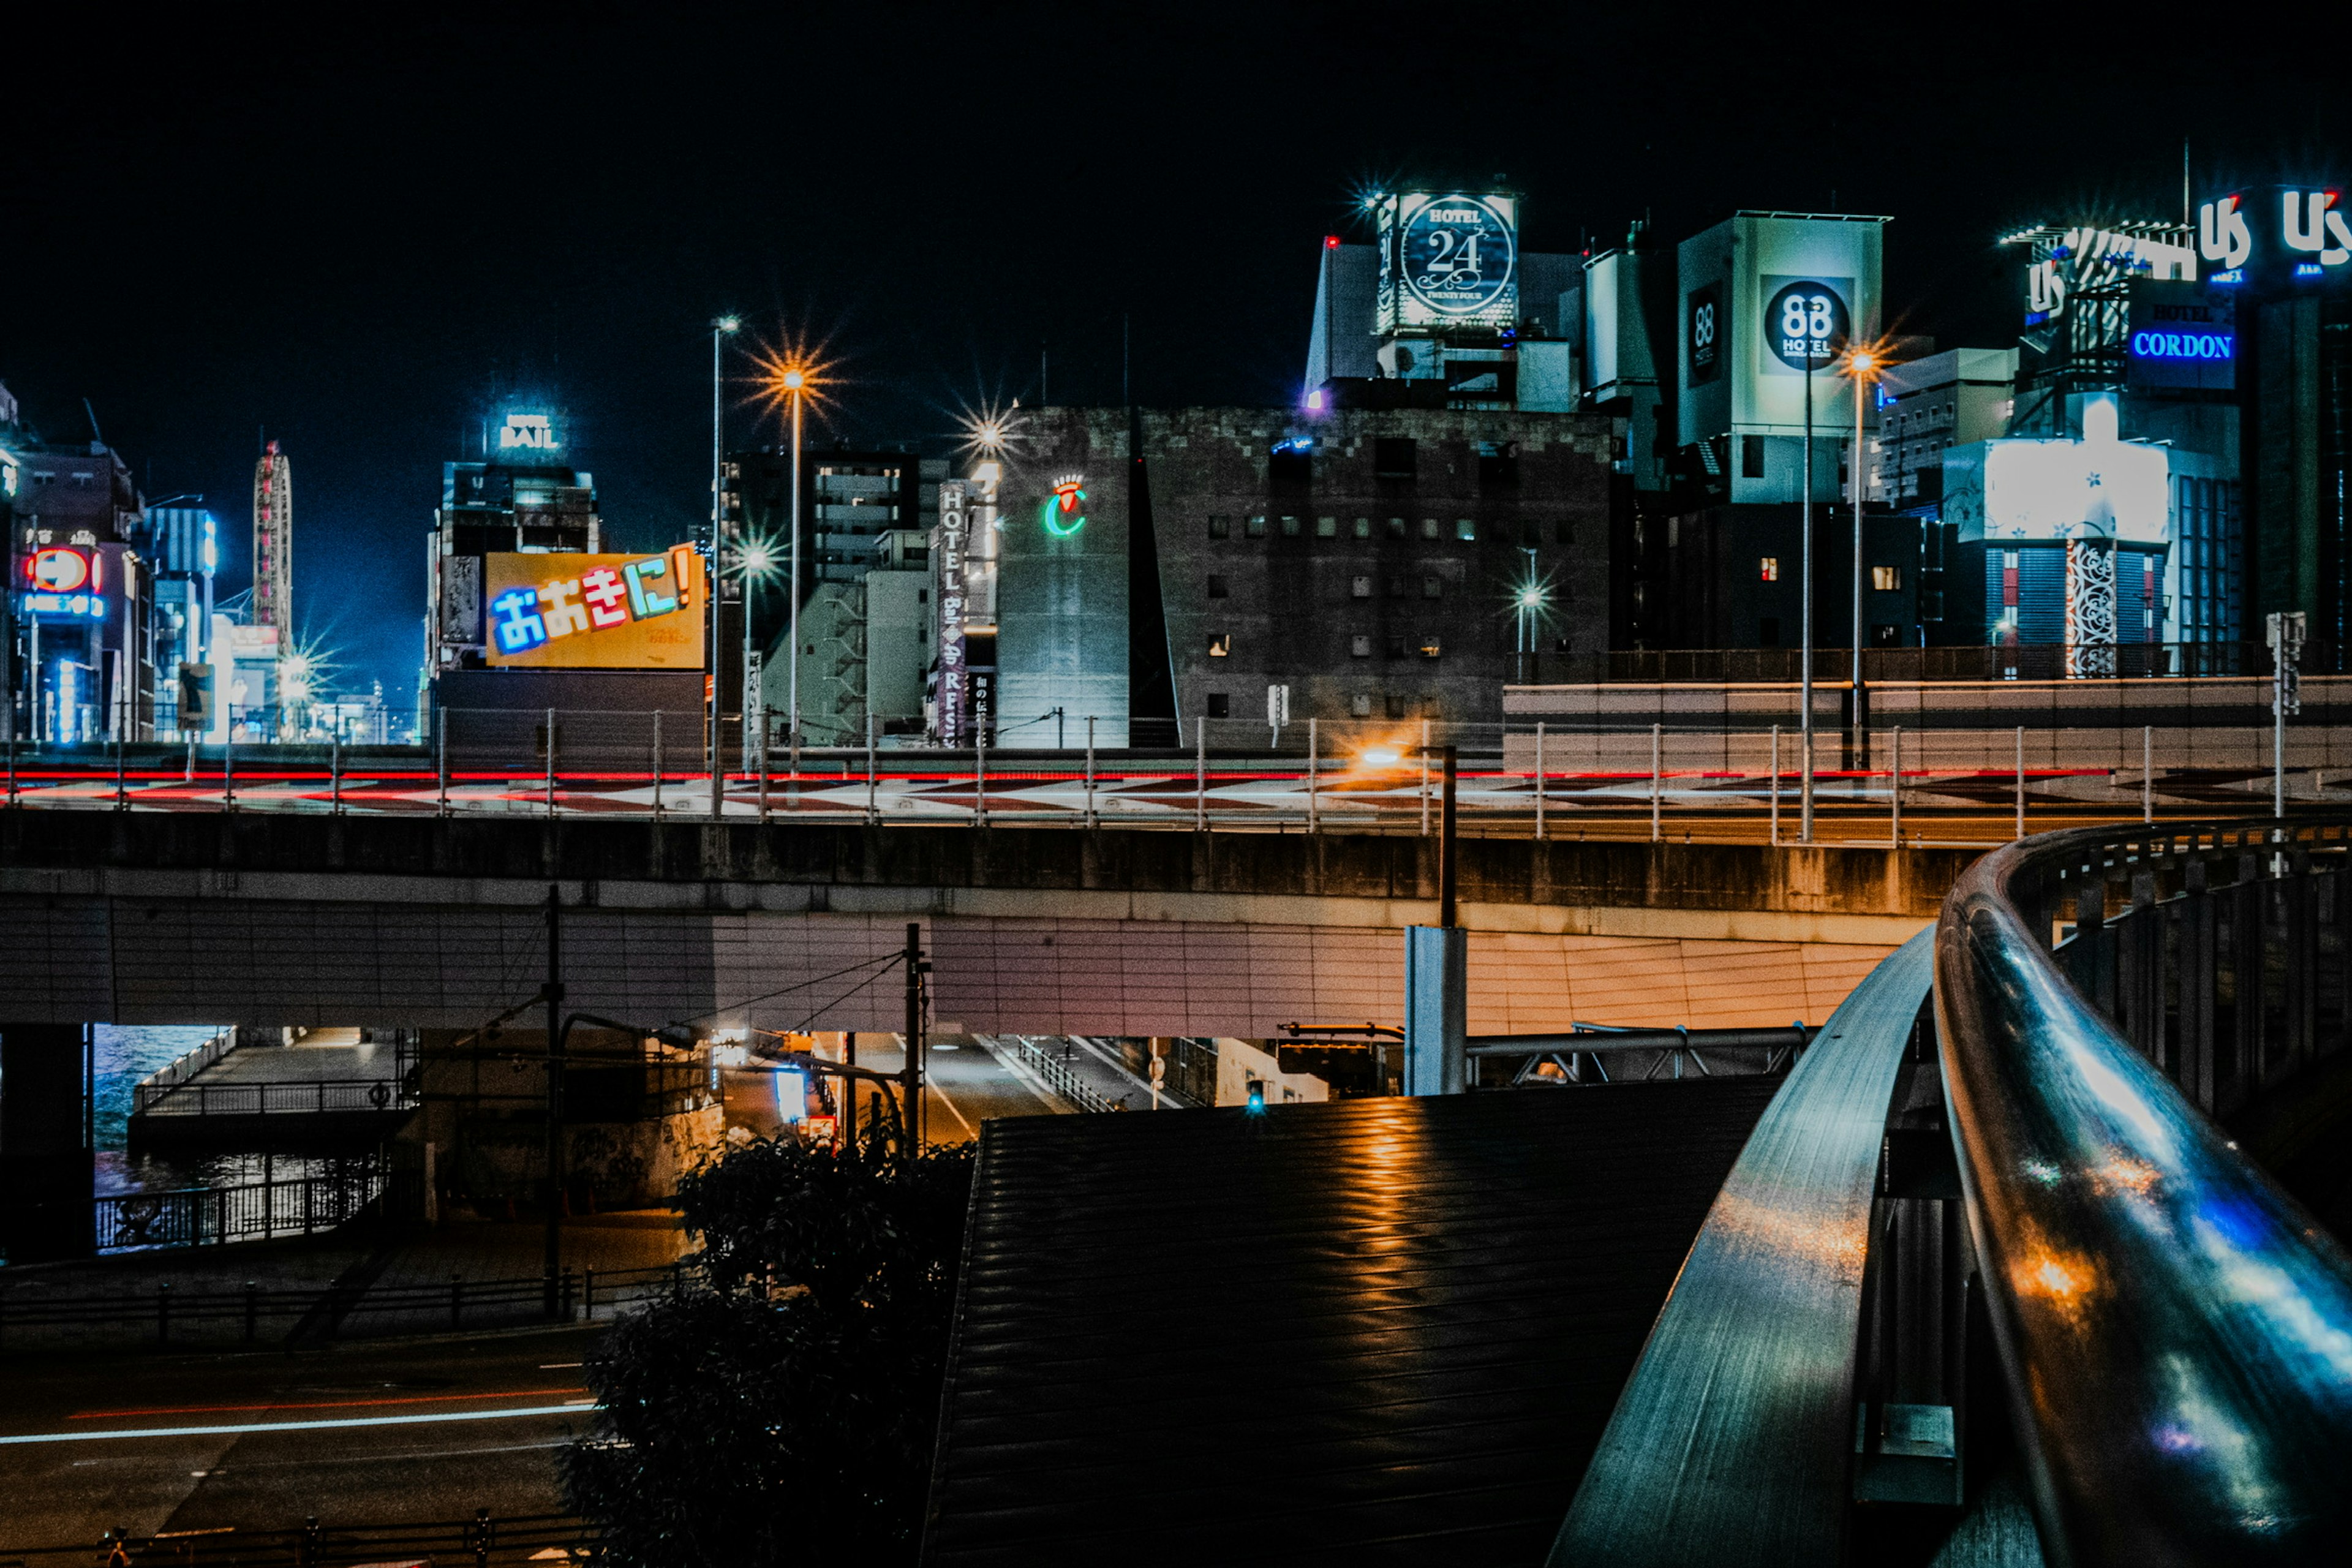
column 788, row 1404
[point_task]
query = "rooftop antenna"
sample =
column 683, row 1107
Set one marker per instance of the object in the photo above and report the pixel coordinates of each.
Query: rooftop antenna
column 2184, row 182
column 94, row 434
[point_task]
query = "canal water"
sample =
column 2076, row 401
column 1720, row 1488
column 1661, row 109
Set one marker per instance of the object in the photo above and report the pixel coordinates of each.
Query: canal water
column 121, row 1056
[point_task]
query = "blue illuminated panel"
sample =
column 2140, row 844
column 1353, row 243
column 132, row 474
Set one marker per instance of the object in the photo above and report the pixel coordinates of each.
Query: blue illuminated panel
column 2183, row 334
column 71, row 606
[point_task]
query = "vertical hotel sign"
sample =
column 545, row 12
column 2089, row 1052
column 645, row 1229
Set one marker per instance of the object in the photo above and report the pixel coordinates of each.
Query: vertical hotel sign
column 955, row 684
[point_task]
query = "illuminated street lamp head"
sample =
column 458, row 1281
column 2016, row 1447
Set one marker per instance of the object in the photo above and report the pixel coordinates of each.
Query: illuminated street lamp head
column 1531, row 597
column 988, row 432
column 758, row 557
column 729, row 325
column 1867, row 362
column 792, row 372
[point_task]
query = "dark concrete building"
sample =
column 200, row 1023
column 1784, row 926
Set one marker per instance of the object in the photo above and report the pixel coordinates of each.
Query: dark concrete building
column 1369, row 560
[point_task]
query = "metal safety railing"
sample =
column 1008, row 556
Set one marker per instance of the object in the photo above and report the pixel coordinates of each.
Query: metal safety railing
column 168, row 1313
column 2176, row 1332
column 1604, row 1053
column 316, row 1097
column 483, row 1539
column 1061, row 1076
column 192, row 1217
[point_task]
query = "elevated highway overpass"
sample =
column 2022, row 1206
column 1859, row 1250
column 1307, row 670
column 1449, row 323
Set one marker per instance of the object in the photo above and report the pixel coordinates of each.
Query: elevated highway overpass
column 265, row 918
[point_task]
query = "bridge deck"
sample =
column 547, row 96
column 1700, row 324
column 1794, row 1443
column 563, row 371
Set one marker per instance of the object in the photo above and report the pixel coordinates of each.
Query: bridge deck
column 1383, row 1330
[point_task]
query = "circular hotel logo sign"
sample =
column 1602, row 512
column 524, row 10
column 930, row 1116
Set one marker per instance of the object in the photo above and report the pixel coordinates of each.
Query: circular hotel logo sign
column 1806, row 323
column 1459, row 255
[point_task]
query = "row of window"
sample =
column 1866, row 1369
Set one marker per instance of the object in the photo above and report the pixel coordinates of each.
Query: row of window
column 1400, row 646
column 1884, row 579
column 1359, row 587
column 1464, row 529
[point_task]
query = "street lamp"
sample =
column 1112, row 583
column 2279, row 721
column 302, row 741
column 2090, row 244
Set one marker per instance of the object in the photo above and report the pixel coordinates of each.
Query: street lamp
column 721, row 330
column 1862, row 367
column 1805, row 594
column 1528, row 603
column 755, row 558
column 795, row 383
column 792, row 374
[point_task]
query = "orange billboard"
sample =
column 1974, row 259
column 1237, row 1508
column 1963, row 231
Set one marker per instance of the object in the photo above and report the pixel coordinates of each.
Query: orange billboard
column 595, row 612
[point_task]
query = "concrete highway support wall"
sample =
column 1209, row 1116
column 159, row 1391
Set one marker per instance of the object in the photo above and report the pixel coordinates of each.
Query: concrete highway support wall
column 155, row 918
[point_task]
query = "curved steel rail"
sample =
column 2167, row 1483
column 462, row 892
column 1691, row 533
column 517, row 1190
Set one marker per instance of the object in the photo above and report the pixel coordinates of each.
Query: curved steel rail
column 2176, row 1334
column 1732, row 1440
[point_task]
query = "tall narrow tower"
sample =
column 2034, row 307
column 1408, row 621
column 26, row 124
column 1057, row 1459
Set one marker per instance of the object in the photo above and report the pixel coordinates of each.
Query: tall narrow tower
column 273, row 544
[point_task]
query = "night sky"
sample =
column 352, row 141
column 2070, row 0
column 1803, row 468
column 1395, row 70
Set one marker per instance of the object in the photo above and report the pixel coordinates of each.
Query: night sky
column 354, row 231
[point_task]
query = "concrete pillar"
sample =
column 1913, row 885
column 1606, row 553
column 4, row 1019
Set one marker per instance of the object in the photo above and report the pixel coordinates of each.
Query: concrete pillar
column 1436, row 1005
column 47, row 1171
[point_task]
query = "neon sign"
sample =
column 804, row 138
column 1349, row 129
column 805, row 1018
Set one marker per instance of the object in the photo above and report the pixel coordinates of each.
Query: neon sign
column 530, row 432
column 58, row 570
column 1060, row 514
column 92, row 606
column 604, row 597
column 2183, row 346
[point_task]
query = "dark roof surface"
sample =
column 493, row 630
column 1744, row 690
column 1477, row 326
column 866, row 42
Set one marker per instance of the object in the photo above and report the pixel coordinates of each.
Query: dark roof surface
column 1379, row 1331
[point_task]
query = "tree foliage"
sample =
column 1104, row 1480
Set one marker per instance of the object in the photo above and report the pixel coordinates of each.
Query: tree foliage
column 787, row 1404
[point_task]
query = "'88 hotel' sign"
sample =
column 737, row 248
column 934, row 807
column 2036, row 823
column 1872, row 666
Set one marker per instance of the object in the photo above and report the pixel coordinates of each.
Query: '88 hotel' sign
column 1806, row 322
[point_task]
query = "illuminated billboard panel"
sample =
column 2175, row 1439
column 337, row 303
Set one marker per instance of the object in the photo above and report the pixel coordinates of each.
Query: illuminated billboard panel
column 2097, row 488
column 2182, row 334
column 1448, row 260
column 595, row 612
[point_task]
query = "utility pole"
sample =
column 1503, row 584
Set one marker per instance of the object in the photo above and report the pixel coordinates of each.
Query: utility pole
column 911, row 1074
column 552, row 1262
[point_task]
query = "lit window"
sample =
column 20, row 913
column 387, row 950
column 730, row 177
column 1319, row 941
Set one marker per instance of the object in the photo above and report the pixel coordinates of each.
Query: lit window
column 1768, row 569
column 1360, row 706
column 1290, row 528
column 1887, row 579
column 1221, row 646
column 1360, row 648
column 1326, row 528
column 1363, row 528
column 1429, row 649
column 1256, row 528
column 1428, row 528
column 1361, row 589
column 1466, row 529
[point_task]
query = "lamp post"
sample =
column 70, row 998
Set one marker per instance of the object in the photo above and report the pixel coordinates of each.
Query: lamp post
column 795, row 382
column 1862, row 366
column 1805, row 592
column 755, row 558
column 1529, row 603
column 720, row 331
